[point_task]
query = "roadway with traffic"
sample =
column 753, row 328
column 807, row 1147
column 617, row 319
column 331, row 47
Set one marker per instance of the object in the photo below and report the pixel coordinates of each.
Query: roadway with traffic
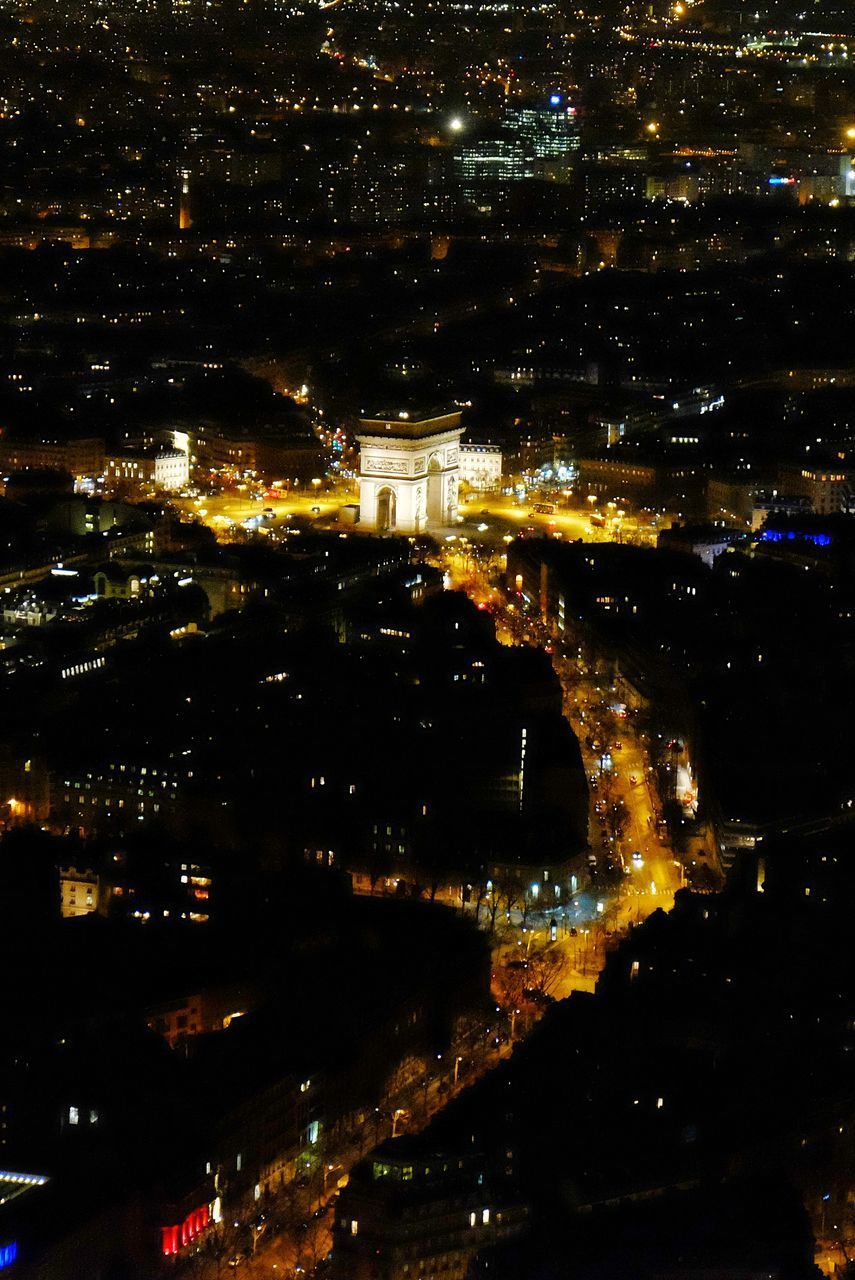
column 485, row 519
column 580, row 934
column 471, row 552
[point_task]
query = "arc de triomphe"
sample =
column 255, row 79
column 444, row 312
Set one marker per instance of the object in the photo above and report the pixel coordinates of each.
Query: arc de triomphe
column 409, row 465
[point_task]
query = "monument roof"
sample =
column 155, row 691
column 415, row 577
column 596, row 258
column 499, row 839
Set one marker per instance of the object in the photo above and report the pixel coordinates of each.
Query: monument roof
column 413, row 423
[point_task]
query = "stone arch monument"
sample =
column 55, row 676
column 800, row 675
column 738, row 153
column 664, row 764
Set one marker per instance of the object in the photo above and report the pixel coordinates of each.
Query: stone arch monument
column 409, row 470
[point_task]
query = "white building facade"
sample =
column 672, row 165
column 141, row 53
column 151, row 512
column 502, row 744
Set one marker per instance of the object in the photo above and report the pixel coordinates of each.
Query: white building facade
column 409, row 472
column 164, row 468
column 481, row 466
column 171, row 469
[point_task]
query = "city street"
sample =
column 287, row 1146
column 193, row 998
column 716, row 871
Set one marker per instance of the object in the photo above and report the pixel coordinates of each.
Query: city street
column 485, row 519
column 223, row 510
column 537, row 956
column 289, row 1234
column 471, row 555
column 650, row 873
column 653, row 878
column 511, row 517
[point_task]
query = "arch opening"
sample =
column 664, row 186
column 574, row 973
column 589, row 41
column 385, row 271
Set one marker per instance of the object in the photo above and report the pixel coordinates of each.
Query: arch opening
column 387, row 503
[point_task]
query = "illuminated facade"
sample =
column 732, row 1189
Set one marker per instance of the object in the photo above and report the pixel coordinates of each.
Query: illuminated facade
column 176, row 1237
column 79, row 892
column 162, row 468
column 486, row 165
column 409, row 471
column 549, row 135
column 481, row 467
column 829, row 489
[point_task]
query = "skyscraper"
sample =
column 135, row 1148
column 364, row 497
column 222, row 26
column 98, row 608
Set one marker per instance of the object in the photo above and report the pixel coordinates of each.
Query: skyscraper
column 487, row 164
column 548, row 133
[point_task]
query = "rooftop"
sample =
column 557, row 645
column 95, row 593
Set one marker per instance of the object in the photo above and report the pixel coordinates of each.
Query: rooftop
column 414, row 422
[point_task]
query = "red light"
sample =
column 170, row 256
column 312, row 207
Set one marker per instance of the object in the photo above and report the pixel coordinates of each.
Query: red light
column 169, row 1241
column 174, row 1238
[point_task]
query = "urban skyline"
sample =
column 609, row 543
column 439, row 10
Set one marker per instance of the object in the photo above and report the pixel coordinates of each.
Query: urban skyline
column 427, row 640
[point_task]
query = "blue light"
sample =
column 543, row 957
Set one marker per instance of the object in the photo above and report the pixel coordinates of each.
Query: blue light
column 555, row 100
column 781, row 182
column 790, row 535
column 8, row 1254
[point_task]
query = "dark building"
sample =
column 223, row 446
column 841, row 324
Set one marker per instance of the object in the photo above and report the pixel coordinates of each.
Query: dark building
column 408, row 1210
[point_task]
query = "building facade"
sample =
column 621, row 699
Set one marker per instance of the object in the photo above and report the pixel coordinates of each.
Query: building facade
column 829, row 489
column 409, row 1212
column 80, row 457
column 549, row 135
column 161, row 468
column 80, row 892
column 481, row 466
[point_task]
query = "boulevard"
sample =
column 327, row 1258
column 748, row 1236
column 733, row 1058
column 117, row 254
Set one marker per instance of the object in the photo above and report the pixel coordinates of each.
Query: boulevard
column 631, row 869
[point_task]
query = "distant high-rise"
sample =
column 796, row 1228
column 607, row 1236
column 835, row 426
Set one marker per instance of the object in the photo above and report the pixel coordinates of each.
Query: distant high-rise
column 537, row 140
column 486, row 165
column 185, row 218
column 548, row 133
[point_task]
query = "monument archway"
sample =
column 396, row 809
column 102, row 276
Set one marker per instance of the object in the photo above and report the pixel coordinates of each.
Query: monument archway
column 387, row 512
column 409, row 466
